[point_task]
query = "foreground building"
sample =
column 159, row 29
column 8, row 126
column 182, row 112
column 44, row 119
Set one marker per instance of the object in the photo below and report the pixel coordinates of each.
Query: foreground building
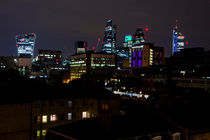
column 30, row 117
column 147, row 126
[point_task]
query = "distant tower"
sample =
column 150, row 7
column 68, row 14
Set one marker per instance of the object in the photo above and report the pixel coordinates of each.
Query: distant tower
column 138, row 38
column 178, row 40
column 109, row 41
column 25, row 45
column 138, row 49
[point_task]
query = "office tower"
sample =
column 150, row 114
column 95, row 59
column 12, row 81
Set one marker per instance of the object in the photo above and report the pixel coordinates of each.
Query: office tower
column 81, row 46
column 138, row 48
column 138, row 38
column 109, row 41
column 142, row 57
column 178, row 40
column 25, row 46
column 83, row 63
column 124, row 52
column 49, row 60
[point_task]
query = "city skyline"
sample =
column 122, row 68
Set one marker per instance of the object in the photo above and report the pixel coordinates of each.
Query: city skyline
column 59, row 25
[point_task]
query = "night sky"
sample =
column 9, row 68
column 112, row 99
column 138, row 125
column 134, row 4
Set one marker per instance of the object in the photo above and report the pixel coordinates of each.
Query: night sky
column 58, row 23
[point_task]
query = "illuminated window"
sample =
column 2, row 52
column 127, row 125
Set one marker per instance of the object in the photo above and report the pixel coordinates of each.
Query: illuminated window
column 38, row 119
column 53, row 117
column 69, row 103
column 44, row 119
column 85, row 115
column 69, row 116
column 44, row 132
column 105, row 107
column 38, row 133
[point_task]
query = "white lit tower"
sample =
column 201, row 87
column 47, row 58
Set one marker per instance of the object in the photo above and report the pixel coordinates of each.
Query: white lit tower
column 109, row 40
column 25, row 45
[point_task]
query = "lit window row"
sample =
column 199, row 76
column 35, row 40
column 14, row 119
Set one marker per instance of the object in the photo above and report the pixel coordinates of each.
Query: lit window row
column 53, row 117
column 38, row 132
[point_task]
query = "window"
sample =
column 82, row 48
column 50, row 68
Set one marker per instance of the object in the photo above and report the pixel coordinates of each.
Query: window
column 44, row 119
column 69, row 116
column 85, row 115
column 38, row 133
column 44, row 132
column 38, row 119
column 53, row 117
column 105, row 107
column 69, row 103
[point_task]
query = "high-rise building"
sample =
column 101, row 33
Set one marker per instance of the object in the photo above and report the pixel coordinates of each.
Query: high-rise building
column 124, row 53
column 81, row 46
column 137, row 49
column 25, row 45
column 109, row 41
column 178, row 40
column 138, row 38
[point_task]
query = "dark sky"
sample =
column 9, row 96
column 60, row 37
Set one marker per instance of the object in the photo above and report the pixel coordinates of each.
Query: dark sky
column 58, row 23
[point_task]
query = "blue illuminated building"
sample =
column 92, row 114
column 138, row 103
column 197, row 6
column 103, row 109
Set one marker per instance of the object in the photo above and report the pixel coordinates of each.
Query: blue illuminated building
column 178, row 41
column 109, row 41
column 25, row 45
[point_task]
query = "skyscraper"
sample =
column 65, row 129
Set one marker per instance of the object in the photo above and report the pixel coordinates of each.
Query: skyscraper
column 138, row 38
column 137, row 49
column 109, row 41
column 178, row 40
column 25, row 45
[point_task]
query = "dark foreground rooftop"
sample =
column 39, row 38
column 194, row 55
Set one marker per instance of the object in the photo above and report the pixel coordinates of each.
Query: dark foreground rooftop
column 144, row 126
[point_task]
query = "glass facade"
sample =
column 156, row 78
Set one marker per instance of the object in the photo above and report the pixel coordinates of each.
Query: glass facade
column 109, row 41
column 178, row 41
column 138, row 38
column 25, row 45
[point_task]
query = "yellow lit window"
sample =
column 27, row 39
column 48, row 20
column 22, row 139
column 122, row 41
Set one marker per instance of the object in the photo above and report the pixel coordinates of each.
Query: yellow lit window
column 85, row 115
column 44, row 132
column 44, row 119
column 38, row 133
